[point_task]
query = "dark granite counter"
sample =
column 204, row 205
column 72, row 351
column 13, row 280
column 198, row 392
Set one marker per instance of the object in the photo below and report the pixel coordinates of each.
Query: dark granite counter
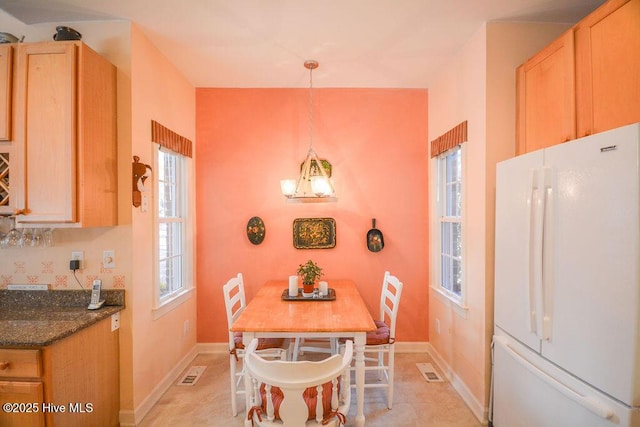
column 39, row 318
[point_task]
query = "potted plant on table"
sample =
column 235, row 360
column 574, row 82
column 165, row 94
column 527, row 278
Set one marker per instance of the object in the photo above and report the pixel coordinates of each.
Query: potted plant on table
column 310, row 272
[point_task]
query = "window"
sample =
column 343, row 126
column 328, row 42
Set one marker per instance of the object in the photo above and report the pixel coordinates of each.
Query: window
column 449, row 207
column 173, row 276
column 173, row 236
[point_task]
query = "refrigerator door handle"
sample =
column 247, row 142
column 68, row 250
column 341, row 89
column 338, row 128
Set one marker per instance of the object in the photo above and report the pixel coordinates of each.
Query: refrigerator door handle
column 535, row 246
column 587, row 402
column 546, row 288
column 531, row 317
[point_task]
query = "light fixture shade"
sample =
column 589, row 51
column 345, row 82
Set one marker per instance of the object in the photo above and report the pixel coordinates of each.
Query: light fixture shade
column 314, row 183
column 320, row 186
column 288, row 187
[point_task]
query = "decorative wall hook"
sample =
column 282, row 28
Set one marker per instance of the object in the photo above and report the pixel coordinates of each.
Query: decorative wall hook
column 140, row 173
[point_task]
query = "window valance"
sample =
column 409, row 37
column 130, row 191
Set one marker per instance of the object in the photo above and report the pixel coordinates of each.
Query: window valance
column 169, row 139
column 449, row 139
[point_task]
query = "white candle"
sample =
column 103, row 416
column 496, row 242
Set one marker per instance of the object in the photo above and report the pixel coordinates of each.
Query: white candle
column 324, row 287
column 293, row 286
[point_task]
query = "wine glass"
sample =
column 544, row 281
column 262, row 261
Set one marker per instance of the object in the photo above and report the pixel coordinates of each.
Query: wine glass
column 13, row 238
column 47, row 237
column 27, row 237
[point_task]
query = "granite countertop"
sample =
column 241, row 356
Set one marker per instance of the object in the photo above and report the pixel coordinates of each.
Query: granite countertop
column 40, row 318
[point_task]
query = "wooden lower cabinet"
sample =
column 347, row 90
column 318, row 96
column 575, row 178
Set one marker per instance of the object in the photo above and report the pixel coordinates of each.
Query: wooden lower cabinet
column 23, row 399
column 75, row 381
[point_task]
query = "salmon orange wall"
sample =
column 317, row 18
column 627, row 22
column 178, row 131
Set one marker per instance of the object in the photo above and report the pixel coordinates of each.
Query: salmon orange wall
column 249, row 139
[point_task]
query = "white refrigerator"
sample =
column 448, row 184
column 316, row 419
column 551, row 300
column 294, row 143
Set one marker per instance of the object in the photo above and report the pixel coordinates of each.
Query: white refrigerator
column 566, row 348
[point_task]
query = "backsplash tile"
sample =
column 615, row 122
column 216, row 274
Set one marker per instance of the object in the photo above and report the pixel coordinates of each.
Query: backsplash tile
column 51, row 265
column 47, row 267
column 19, row 267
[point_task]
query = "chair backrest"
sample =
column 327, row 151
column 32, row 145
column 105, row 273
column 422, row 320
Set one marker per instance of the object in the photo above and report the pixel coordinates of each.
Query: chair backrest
column 234, row 301
column 390, row 300
column 294, row 377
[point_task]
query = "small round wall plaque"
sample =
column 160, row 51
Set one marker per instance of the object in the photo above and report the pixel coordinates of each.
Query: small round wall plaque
column 256, row 230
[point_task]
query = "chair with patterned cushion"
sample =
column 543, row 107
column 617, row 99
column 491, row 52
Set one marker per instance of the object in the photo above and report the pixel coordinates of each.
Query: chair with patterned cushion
column 235, row 302
column 381, row 342
column 298, row 393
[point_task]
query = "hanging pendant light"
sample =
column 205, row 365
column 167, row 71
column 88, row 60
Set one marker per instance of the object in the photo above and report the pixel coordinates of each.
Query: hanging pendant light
column 314, row 183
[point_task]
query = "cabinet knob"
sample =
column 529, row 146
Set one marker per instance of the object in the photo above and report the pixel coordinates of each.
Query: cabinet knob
column 4, row 365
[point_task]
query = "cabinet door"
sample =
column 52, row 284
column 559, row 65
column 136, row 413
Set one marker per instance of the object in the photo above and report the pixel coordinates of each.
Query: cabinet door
column 608, row 67
column 25, row 393
column 45, row 112
column 545, row 94
column 6, row 66
column 6, row 148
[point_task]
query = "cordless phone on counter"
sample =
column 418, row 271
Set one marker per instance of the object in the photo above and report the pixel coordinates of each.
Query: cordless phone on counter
column 96, row 302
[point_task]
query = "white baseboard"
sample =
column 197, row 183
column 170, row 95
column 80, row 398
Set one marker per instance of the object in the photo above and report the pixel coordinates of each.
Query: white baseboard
column 213, row 347
column 477, row 408
column 130, row 418
column 412, row 347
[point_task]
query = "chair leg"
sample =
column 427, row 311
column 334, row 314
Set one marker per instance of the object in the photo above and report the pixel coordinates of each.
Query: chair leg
column 390, row 372
column 380, row 365
column 296, row 349
column 232, row 369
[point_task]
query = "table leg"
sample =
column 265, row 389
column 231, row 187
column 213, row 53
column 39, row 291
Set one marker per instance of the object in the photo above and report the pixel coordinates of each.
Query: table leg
column 246, row 339
column 360, row 341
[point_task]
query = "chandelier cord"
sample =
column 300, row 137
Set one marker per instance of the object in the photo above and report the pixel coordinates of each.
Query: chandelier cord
column 311, row 109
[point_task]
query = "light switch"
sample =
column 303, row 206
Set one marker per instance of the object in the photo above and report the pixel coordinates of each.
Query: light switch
column 109, row 259
column 145, row 203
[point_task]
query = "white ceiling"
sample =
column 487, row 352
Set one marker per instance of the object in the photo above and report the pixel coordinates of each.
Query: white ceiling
column 263, row 43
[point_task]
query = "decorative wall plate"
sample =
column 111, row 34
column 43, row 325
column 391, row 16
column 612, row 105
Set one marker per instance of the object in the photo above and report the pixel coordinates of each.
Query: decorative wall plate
column 256, row 230
column 314, row 233
column 375, row 240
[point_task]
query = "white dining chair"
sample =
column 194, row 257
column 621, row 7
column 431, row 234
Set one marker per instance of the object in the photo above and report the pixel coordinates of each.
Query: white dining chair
column 235, row 302
column 381, row 342
column 299, row 393
column 314, row 345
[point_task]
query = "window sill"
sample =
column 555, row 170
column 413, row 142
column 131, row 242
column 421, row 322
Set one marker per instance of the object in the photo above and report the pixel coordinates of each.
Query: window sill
column 459, row 308
column 172, row 303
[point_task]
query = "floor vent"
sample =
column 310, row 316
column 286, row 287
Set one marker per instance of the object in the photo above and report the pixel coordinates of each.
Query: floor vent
column 192, row 376
column 429, row 374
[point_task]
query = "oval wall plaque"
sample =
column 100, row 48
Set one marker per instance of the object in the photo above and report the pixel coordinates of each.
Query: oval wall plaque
column 256, row 230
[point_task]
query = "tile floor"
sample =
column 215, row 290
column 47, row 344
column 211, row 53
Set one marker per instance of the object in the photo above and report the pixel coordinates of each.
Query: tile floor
column 416, row 402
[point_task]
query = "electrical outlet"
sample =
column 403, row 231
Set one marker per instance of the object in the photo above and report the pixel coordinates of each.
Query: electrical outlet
column 438, row 326
column 115, row 321
column 185, row 329
column 109, row 259
column 79, row 257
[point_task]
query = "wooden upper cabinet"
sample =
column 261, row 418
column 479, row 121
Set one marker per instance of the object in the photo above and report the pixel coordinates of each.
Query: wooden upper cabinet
column 6, row 147
column 608, row 64
column 65, row 125
column 545, row 106
column 6, row 66
column 585, row 82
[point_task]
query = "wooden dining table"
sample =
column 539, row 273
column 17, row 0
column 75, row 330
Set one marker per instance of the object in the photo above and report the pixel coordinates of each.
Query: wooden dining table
column 347, row 316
